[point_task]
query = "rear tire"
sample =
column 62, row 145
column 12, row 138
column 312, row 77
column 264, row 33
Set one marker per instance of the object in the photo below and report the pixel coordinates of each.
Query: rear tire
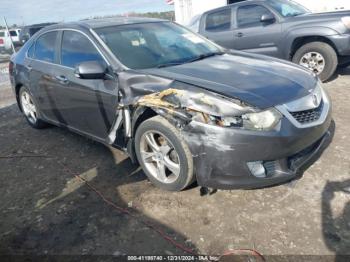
column 159, row 146
column 317, row 55
column 29, row 109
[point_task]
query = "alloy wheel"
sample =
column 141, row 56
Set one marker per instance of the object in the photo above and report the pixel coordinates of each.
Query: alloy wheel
column 160, row 157
column 29, row 108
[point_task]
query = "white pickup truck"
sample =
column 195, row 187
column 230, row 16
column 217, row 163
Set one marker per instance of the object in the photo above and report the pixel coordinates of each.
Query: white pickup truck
column 5, row 40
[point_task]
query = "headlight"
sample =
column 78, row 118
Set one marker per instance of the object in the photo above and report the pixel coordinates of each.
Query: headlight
column 346, row 21
column 266, row 120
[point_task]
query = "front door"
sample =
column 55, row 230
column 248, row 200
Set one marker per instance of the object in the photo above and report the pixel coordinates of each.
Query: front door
column 89, row 106
column 255, row 36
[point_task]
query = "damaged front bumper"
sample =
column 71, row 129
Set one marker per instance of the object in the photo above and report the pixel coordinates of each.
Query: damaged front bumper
column 222, row 155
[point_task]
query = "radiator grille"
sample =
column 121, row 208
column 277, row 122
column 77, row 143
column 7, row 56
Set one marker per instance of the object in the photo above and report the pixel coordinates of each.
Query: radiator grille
column 308, row 116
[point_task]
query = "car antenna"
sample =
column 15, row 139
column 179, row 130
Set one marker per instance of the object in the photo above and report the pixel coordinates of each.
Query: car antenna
column 7, row 29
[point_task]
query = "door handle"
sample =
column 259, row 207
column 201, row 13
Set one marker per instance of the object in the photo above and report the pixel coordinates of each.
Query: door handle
column 29, row 68
column 240, row 34
column 62, row 79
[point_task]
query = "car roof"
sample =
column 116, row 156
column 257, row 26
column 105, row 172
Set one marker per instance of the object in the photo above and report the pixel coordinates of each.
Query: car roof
column 105, row 22
column 237, row 4
column 38, row 25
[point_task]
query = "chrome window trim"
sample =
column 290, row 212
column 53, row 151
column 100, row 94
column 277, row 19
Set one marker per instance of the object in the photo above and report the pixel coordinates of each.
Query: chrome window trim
column 66, row 29
column 284, row 109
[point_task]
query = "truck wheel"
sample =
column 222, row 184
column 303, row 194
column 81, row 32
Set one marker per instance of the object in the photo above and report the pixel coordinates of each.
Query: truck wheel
column 319, row 57
column 163, row 154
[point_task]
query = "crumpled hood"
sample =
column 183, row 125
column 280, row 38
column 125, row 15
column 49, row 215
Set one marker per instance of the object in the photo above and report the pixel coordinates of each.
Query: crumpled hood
column 257, row 80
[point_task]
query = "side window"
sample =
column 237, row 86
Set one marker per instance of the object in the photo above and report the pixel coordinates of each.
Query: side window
column 30, row 52
column 77, row 48
column 219, row 21
column 45, row 47
column 250, row 15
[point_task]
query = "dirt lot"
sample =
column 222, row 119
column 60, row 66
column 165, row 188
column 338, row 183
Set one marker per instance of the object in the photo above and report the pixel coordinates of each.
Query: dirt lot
column 46, row 210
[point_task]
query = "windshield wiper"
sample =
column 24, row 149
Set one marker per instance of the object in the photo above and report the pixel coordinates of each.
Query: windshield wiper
column 197, row 58
column 295, row 14
column 204, row 56
column 170, row 64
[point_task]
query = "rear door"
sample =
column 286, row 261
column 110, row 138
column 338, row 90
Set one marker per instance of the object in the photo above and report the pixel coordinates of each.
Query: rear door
column 42, row 64
column 218, row 26
column 88, row 106
column 252, row 35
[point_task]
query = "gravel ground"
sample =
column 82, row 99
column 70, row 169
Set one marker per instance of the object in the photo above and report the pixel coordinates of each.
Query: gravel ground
column 46, row 210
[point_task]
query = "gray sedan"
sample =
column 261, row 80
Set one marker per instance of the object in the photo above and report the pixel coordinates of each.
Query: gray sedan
column 178, row 104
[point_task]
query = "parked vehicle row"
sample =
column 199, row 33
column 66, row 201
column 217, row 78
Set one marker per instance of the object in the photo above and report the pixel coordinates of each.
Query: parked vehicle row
column 18, row 36
column 6, row 37
column 282, row 29
column 181, row 106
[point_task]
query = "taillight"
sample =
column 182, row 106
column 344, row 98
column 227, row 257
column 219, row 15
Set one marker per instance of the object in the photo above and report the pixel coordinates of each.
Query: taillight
column 11, row 66
column 1, row 41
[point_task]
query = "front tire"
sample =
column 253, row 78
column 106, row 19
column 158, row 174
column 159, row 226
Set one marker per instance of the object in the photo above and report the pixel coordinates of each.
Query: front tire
column 29, row 109
column 319, row 57
column 164, row 155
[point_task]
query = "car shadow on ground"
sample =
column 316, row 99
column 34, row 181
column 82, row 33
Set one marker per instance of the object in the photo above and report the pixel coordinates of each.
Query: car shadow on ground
column 46, row 210
column 336, row 227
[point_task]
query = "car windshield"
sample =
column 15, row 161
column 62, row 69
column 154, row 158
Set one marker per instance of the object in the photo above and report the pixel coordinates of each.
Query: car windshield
column 288, row 8
column 155, row 44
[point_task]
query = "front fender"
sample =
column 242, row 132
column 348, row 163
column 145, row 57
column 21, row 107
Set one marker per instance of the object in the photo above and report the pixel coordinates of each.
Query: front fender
column 301, row 32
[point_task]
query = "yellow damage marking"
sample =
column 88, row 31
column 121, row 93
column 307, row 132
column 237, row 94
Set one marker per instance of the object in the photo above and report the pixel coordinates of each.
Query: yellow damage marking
column 156, row 99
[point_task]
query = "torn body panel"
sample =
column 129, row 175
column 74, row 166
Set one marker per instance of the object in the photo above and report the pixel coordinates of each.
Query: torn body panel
column 221, row 154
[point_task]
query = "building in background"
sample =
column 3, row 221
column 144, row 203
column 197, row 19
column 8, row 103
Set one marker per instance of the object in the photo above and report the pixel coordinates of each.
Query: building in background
column 185, row 10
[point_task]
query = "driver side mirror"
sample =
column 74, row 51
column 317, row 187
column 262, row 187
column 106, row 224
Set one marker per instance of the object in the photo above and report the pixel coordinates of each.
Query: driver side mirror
column 267, row 18
column 90, row 70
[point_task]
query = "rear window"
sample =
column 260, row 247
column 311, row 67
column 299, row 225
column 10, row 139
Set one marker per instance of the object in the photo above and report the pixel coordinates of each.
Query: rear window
column 45, row 47
column 33, row 30
column 13, row 33
column 2, row 34
column 219, row 21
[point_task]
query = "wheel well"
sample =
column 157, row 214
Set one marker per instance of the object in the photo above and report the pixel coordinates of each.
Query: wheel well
column 300, row 41
column 17, row 88
column 143, row 116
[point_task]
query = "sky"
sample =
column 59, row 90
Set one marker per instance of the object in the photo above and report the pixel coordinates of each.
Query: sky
column 36, row 11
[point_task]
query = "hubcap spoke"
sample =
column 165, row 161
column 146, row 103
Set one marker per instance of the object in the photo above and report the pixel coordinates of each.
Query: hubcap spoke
column 32, row 114
column 28, row 106
column 148, row 156
column 165, row 149
column 161, row 174
column 172, row 166
column 152, row 142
